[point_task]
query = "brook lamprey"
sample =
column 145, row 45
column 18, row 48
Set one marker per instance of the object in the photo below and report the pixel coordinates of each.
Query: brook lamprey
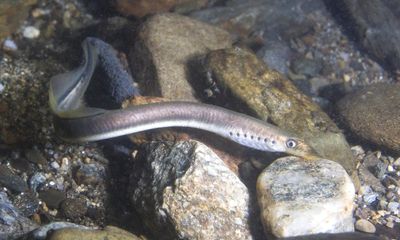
column 74, row 121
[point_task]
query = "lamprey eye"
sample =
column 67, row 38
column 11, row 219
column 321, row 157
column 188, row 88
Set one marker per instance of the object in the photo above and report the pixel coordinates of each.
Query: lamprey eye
column 291, row 143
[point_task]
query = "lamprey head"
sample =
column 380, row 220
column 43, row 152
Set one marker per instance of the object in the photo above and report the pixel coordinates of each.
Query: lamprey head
column 298, row 147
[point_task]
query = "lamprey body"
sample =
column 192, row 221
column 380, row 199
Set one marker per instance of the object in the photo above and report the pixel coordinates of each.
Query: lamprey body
column 76, row 122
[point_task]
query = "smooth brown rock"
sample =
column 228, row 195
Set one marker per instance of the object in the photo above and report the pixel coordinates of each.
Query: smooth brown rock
column 373, row 114
column 12, row 14
column 141, row 8
column 365, row 226
column 166, row 45
column 268, row 95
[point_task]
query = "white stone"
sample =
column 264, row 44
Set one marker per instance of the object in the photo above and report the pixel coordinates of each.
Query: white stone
column 299, row 197
column 31, row 32
column 10, row 45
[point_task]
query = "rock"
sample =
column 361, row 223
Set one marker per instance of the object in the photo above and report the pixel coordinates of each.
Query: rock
column 31, row 32
column 363, row 225
column 374, row 26
column 74, row 208
column 307, row 67
column 12, row 223
column 41, row 232
column 299, row 197
column 273, row 20
column 109, row 233
column 27, row 203
column 275, row 54
column 90, row 174
column 184, row 191
column 12, row 15
column 373, row 114
column 337, row 236
column 141, row 8
column 52, row 197
column 35, row 156
column 165, row 50
column 270, row 96
column 12, row 181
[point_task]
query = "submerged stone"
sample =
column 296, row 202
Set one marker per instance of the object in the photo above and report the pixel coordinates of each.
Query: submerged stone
column 167, row 46
column 184, row 191
column 299, row 197
column 268, row 95
column 373, row 114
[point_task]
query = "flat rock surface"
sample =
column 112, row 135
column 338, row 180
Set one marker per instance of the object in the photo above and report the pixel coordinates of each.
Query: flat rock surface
column 161, row 60
column 373, row 113
column 299, row 197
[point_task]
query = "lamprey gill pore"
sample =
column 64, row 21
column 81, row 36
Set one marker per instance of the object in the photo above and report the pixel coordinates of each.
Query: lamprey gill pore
column 76, row 122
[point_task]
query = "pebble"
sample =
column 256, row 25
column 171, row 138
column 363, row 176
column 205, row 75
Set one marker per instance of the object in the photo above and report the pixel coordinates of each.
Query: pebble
column 52, row 197
column 394, row 207
column 41, row 232
column 37, row 180
column 74, row 208
column 365, row 226
column 27, row 203
column 291, row 190
column 90, row 174
column 9, row 45
column 31, row 32
column 12, row 181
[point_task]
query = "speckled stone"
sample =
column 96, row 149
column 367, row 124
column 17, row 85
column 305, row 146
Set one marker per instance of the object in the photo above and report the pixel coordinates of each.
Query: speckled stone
column 167, row 44
column 184, row 191
column 373, row 114
column 299, row 197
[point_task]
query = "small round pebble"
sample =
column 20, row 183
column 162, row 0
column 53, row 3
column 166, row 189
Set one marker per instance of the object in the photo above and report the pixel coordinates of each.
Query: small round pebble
column 9, row 45
column 363, row 225
column 31, row 32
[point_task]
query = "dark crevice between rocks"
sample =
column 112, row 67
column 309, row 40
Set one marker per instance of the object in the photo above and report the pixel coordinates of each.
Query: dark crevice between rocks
column 157, row 166
column 118, row 212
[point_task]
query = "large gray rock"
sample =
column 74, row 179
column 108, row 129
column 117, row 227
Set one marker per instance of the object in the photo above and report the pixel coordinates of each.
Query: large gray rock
column 300, row 197
column 167, row 46
column 184, row 191
column 373, row 114
column 374, row 25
